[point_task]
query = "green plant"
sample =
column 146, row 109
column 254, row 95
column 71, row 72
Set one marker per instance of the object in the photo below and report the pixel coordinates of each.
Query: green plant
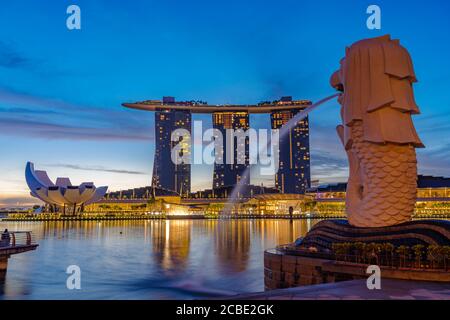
column 432, row 254
column 339, row 250
column 389, row 252
column 371, row 252
column 359, row 251
column 403, row 252
column 446, row 255
column 418, row 252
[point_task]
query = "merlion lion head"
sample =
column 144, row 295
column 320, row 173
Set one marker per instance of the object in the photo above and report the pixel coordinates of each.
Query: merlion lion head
column 376, row 78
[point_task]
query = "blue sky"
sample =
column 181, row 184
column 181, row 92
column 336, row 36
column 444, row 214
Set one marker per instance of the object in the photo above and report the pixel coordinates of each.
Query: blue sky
column 61, row 91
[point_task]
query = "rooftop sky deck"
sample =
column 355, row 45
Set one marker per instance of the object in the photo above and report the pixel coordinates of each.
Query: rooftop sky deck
column 206, row 108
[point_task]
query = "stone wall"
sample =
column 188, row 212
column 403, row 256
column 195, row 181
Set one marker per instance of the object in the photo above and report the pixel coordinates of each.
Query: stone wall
column 286, row 271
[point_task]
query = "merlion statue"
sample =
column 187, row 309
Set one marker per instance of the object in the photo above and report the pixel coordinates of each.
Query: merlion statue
column 377, row 132
column 377, row 99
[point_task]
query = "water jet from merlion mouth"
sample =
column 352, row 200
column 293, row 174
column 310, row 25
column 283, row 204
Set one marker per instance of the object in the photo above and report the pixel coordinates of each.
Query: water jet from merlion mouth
column 284, row 130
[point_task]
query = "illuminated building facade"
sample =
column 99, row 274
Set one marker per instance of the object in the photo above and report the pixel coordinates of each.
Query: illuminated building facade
column 167, row 174
column 294, row 172
column 61, row 194
column 226, row 173
column 433, row 200
column 433, row 197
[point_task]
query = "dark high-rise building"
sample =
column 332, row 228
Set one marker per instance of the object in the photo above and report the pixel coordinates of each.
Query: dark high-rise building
column 166, row 174
column 226, row 174
column 293, row 174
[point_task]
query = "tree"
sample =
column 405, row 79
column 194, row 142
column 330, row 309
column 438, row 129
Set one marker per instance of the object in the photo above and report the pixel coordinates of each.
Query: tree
column 418, row 252
column 432, row 254
column 441, row 256
column 389, row 251
column 446, row 255
column 371, row 252
column 347, row 250
column 340, row 250
column 359, row 251
column 379, row 248
column 403, row 252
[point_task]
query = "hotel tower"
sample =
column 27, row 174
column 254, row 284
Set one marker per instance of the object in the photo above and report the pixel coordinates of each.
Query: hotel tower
column 226, row 173
column 166, row 174
column 294, row 175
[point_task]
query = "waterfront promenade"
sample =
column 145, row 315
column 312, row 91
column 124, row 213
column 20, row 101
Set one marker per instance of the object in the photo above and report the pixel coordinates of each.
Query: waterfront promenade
column 154, row 259
column 18, row 242
column 144, row 216
column 357, row 290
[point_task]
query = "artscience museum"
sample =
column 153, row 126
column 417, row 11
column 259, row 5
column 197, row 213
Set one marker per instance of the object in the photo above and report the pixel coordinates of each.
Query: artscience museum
column 61, row 196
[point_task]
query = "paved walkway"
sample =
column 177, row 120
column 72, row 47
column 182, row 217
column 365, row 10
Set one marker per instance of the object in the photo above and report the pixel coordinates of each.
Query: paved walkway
column 357, row 290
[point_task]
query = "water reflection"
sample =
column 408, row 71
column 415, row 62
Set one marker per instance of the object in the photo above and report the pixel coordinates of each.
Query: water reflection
column 146, row 259
column 171, row 244
column 232, row 244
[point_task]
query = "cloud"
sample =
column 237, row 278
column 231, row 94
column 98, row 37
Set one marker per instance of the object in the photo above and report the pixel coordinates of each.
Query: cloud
column 25, row 102
column 95, row 168
column 47, row 130
column 12, row 59
column 25, row 111
column 328, row 168
column 436, row 128
column 18, row 201
column 10, row 96
column 442, row 151
column 42, row 117
column 435, row 161
column 433, row 116
column 323, row 158
column 329, row 162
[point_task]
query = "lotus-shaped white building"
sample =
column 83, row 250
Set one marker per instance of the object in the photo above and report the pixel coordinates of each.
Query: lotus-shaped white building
column 62, row 193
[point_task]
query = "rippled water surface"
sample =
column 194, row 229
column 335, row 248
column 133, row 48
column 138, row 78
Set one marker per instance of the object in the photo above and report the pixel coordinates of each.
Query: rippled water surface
column 178, row 259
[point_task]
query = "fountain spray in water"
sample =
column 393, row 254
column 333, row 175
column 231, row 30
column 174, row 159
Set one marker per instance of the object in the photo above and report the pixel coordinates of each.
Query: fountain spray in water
column 284, row 130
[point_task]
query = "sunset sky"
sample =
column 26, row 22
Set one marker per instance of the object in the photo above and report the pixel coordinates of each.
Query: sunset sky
column 61, row 91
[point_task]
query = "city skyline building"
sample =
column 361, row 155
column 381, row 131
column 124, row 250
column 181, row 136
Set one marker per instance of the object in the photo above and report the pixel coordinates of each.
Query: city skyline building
column 293, row 175
column 61, row 195
column 226, row 173
column 166, row 174
column 294, row 170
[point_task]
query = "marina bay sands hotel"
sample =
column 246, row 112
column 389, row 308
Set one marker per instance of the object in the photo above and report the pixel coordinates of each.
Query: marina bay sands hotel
column 293, row 174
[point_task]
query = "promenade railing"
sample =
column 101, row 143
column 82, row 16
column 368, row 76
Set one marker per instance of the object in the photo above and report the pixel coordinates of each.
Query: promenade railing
column 433, row 257
column 16, row 239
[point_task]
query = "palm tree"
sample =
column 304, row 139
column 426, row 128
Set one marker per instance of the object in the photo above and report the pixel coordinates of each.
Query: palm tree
column 402, row 251
column 432, row 254
column 341, row 250
column 347, row 247
column 359, row 251
column 418, row 252
column 389, row 250
column 379, row 248
column 446, row 254
column 367, row 252
column 337, row 249
column 370, row 252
